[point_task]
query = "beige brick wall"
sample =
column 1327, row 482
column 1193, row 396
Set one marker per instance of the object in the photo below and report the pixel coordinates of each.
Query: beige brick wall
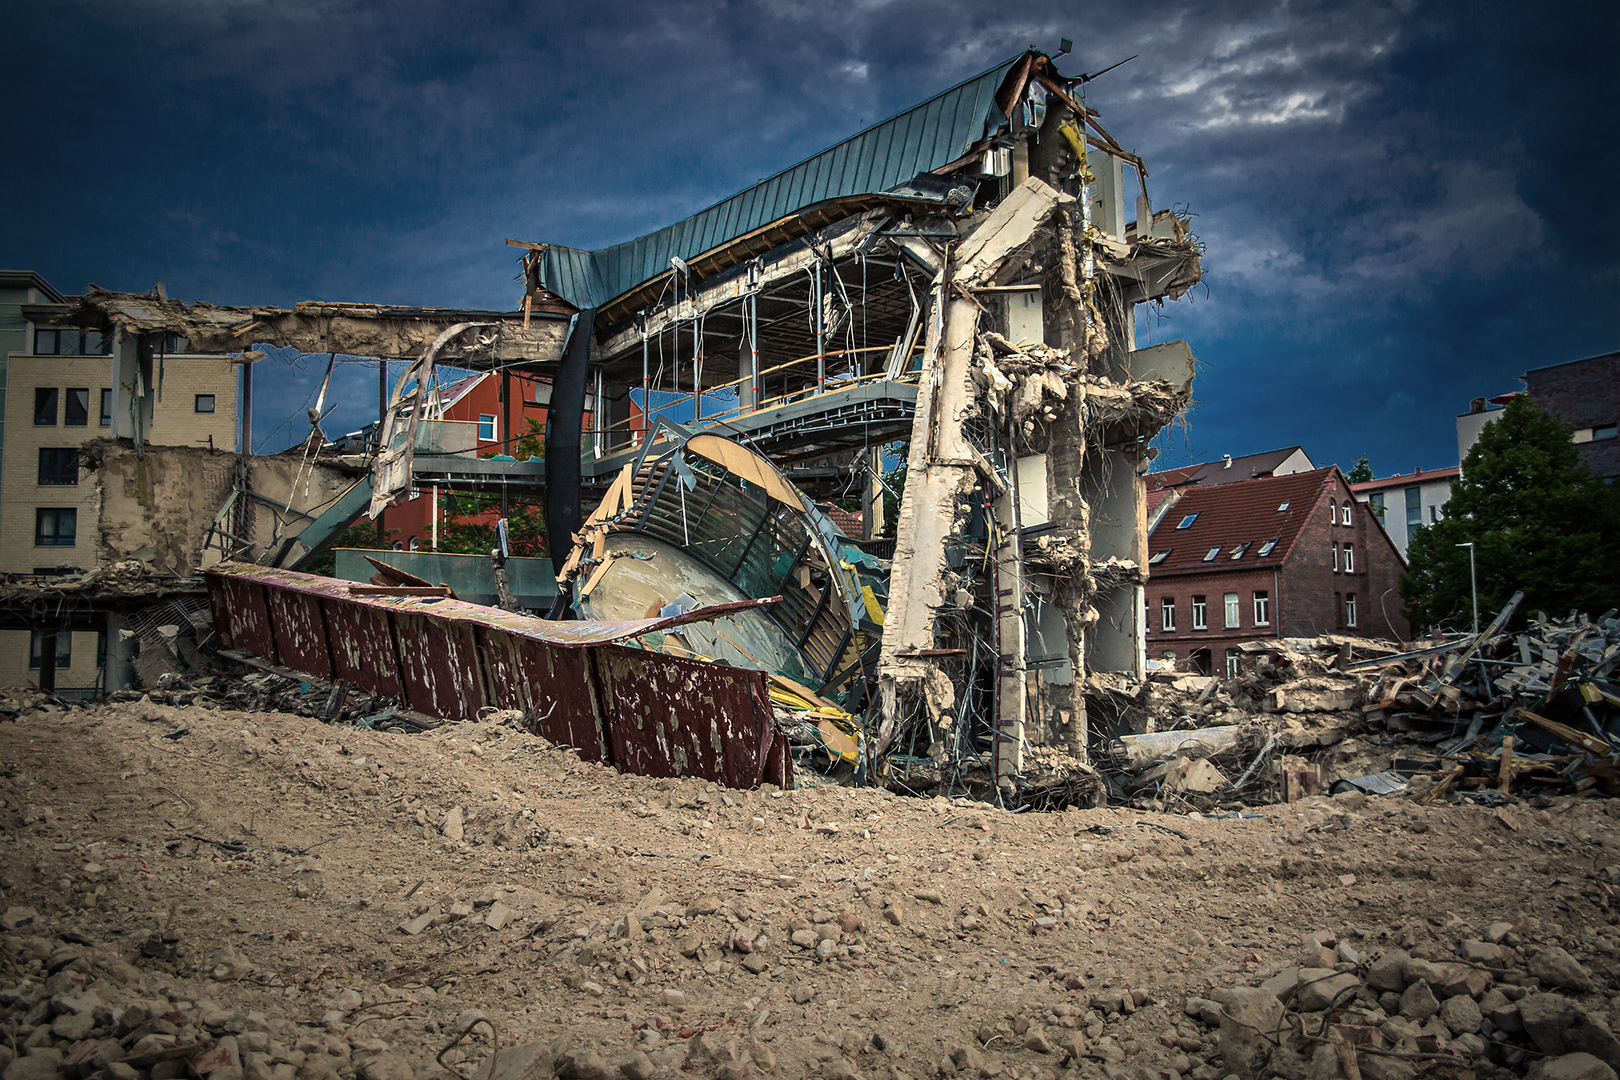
column 175, row 422
column 83, row 673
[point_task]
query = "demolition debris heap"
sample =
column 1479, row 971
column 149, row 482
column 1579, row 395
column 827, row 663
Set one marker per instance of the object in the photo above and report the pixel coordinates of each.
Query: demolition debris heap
column 959, row 279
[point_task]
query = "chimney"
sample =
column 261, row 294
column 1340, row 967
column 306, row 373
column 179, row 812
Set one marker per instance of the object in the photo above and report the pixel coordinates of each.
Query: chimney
column 1477, row 405
column 1228, row 460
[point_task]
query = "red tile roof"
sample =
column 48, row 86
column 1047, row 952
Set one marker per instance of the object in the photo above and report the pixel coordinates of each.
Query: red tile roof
column 1398, row 480
column 1232, row 514
column 847, row 520
column 1225, row 471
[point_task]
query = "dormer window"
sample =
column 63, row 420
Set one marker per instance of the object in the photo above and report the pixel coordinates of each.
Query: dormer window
column 1186, row 522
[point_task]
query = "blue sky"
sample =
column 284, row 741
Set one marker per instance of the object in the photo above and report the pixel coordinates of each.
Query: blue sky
column 1405, row 205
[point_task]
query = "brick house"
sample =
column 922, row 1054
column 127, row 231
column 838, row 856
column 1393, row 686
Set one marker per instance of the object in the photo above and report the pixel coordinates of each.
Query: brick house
column 1276, row 556
column 491, row 427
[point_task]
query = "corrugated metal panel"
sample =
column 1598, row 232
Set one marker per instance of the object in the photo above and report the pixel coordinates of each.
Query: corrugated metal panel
column 921, row 139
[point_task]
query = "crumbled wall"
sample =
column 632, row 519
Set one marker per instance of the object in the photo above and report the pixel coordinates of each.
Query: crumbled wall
column 158, row 508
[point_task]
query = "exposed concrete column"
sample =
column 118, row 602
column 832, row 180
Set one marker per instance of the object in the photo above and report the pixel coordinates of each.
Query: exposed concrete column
column 133, row 395
column 872, row 516
column 115, row 673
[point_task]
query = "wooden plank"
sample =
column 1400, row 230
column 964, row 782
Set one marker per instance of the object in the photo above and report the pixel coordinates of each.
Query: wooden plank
column 1570, row 735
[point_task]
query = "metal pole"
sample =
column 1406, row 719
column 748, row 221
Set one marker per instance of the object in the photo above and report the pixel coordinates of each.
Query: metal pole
column 821, row 335
column 434, row 542
column 646, row 360
column 506, row 423
column 755, row 382
column 1473, row 583
column 247, row 408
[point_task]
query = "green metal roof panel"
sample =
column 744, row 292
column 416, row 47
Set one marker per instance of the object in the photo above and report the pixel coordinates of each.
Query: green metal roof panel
column 919, row 140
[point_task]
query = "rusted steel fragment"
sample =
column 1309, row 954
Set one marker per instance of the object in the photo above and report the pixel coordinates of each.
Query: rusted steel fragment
column 647, row 712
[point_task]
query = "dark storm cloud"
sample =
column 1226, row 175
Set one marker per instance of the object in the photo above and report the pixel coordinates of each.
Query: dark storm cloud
column 1405, row 205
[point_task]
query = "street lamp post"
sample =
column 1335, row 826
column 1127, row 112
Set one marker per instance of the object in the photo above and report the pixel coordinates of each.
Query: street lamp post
column 1473, row 583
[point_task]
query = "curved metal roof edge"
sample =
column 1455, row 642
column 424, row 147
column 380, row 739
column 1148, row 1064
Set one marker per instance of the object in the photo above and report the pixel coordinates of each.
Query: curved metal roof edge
column 587, row 285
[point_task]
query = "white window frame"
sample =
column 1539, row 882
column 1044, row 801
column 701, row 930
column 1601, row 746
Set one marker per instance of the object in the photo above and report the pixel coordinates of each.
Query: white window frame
column 1346, row 513
column 1349, row 558
column 1335, row 556
column 493, row 421
column 1350, row 609
column 1233, row 660
column 1167, row 614
column 1234, row 610
column 1200, row 613
column 1262, row 608
column 1333, row 512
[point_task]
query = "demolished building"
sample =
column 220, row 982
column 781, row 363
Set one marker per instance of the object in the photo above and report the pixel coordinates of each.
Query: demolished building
column 956, row 284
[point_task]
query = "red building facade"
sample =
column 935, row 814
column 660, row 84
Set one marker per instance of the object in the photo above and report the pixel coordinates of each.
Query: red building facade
column 475, row 401
column 1282, row 556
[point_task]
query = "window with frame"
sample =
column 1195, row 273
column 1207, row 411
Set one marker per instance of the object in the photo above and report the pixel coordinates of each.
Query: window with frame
column 45, row 406
column 1414, row 507
column 58, row 466
column 71, row 342
column 106, row 407
column 1376, row 501
column 1187, row 522
column 1349, row 558
column 1607, row 431
column 1344, row 515
column 1237, row 552
column 1349, row 609
column 1159, row 557
column 1167, row 613
column 1335, row 558
column 1333, row 512
column 1232, row 612
column 1267, row 547
column 1198, row 612
column 203, row 403
column 64, row 649
column 1283, row 506
column 1434, row 514
column 486, row 427
column 1234, row 660
column 76, row 410
column 1262, row 608
column 56, row 526
column 1212, row 554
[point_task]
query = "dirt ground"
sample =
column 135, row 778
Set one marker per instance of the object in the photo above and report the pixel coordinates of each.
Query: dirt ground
column 653, row 927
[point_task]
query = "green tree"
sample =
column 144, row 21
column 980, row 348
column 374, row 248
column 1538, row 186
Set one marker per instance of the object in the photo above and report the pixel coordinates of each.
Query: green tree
column 1362, row 472
column 525, row 518
column 1539, row 520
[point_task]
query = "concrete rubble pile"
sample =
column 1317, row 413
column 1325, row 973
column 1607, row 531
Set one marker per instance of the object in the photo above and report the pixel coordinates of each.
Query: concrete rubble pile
column 1472, row 717
column 77, row 1008
column 1361, row 1004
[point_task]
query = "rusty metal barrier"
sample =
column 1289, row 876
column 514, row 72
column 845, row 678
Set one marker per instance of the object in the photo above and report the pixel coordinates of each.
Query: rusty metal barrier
column 646, row 712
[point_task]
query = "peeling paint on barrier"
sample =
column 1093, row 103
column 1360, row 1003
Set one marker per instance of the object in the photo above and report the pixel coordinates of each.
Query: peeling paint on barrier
column 646, row 712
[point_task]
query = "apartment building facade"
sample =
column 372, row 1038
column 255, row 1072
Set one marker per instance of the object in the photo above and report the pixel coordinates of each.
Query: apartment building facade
column 1272, row 557
column 1406, row 502
column 56, row 394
